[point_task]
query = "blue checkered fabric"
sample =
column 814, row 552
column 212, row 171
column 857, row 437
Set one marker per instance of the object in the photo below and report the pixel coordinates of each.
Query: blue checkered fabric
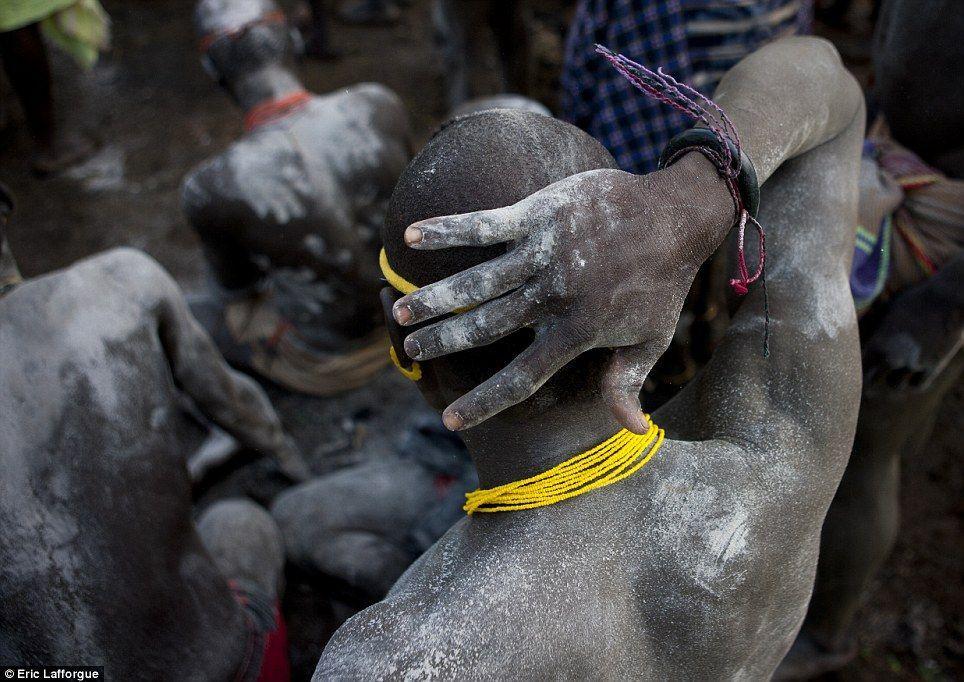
column 695, row 41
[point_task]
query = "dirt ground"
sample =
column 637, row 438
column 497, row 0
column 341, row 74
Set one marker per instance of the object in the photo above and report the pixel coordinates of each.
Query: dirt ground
column 157, row 114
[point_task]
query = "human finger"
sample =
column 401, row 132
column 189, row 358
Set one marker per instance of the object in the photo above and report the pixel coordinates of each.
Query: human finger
column 623, row 380
column 465, row 289
column 477, row 327
column 520, row 379
column 479, row 228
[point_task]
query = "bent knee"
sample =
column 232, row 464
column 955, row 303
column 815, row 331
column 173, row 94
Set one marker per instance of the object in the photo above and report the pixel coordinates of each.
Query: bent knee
column 244, row 542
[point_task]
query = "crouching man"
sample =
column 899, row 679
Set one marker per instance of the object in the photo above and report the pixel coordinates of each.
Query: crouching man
column 289, row 213
column 103, row 564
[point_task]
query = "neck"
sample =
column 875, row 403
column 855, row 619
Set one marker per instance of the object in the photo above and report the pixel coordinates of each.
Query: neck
column 522, row 442
column 268, row 83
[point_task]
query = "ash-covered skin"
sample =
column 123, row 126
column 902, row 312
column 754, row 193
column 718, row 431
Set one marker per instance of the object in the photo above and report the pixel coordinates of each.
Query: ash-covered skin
column 213, row 17
column 102, row 563
column 479, row 104
column 920, row 335
column 245, row 544
column 912, row 359
column 587, row 267
column 912, row 355
column 306, row 192
column 700, row 565
column 364, row 525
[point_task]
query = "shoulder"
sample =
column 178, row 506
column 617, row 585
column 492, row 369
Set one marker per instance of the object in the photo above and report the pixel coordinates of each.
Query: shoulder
column 455, row 614
column 376, row 94
column 373, row 104
column 123, row 271
column 402, row 639
column 125, row 264
column 237, row 172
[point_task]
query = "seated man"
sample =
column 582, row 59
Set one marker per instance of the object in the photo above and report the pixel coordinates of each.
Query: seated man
column 102, row 562
column 289, row 214
column 363, row 526
column 700, row 564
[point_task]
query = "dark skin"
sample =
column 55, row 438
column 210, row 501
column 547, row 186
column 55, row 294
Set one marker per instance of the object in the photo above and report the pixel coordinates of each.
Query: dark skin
column 24, row 56
column 567, row 298
column 911, row 355
column 103, row 563
column 25, row 61
column 333, row 529
column 303, row 193
column 700, row 565
column 474, row 33
column 911, row 360
column 917, row 52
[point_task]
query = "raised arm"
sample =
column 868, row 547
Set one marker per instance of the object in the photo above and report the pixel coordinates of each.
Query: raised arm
column 801, row 401
column 604, row 259
column 229, row 399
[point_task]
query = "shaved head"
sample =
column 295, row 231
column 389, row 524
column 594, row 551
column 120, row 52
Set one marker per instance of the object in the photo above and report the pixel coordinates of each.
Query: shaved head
column 485, row 160
column 220, row 16
column 481, row 161
column 240, row 37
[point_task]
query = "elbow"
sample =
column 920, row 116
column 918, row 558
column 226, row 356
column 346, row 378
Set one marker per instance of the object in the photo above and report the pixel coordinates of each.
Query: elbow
column 827, row 67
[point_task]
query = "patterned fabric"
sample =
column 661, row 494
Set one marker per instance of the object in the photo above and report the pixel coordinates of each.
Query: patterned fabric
column 911, row 220
column 266, row 651
column 871, row 264
column 695, row 41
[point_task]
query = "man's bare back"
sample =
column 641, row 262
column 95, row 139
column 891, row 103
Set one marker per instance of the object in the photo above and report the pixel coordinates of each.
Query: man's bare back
column 103, row 562
column 698, row 566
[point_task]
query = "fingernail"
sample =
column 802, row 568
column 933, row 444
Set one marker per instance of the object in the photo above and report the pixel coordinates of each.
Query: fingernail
column 402, row 314
column 452, row 420
column 412, row 349
column 413, row 235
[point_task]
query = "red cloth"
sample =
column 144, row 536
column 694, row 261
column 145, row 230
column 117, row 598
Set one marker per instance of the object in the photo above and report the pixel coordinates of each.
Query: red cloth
column 275, row 666
column 266, row 652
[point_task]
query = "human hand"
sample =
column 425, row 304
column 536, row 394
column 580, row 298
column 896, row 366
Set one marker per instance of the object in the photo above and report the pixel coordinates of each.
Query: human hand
column 603, row 259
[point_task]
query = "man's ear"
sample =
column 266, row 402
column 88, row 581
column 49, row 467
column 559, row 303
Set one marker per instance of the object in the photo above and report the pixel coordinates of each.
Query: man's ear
column 396, row 333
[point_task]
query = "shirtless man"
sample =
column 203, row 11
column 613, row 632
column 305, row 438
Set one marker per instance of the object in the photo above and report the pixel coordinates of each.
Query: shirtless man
column 700, row 565
column 289, row 214
column 102, row 564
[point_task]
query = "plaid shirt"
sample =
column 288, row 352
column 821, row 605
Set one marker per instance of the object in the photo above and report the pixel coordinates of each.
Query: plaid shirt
column 695, row 41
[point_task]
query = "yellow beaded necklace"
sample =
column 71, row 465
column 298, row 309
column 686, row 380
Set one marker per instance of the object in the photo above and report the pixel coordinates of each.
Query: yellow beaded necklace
column 611, row 461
